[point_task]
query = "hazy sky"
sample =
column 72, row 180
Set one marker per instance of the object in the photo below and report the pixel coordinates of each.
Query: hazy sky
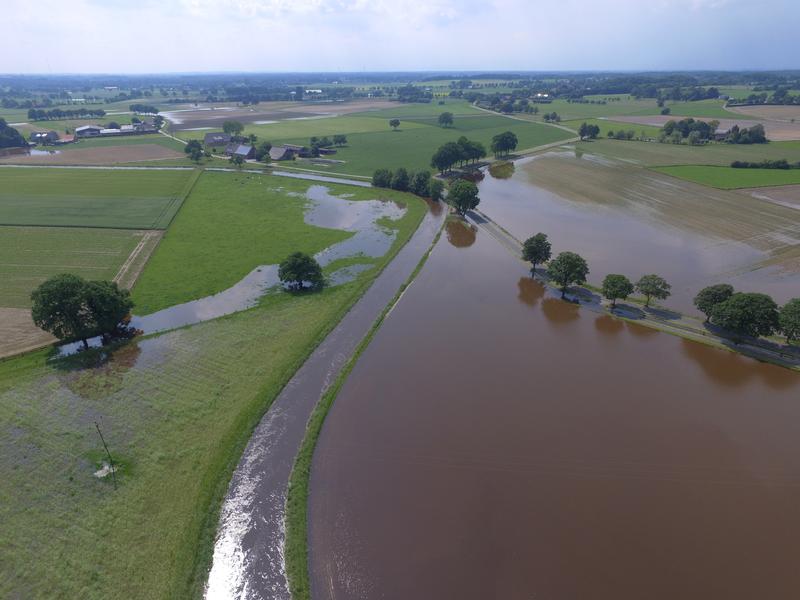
column 78, row 36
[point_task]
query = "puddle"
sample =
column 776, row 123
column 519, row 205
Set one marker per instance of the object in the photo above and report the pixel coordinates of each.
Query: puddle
column 371, row 239
column 36, row 152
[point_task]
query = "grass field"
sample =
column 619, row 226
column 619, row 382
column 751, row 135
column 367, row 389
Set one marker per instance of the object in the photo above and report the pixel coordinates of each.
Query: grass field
column 412, row 148
column 132, row 140
column 91, row 198
column 230, row 224
column 29, row 255
column 701, row 108
column 653, row 154
column 176, row 411
column 608, row 125
column 728, row 178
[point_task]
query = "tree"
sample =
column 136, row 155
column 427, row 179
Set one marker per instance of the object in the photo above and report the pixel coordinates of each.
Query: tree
column 536, row 250
column 463, row 195
column 446, row 119
column 421, row 184
column 394, row 124
column 789, row 319
column 616, row 287
column 262, row 151
column 437, row 189
column 400, row 180
column 232, row 127
column 300, row 271
column 72, row 308
column 339, row 139
column 503, row 143
column 113, row 125
column 567, row 268
column 583, row 130
column 707, row 298
column 653, row 286
column 10, row 137
column 446, row 156
column 108, row 305
column 59, row 307
column 382, row 178
column 747, row 314
column 237, row 160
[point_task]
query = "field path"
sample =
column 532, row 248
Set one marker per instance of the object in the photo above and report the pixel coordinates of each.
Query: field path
column 248, row 557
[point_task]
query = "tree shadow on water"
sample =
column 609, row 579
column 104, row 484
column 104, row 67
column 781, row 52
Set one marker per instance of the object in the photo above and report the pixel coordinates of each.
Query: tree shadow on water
column 530, row 291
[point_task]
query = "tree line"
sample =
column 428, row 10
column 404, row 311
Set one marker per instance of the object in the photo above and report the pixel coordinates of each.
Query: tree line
column 745, row 314
column 143, row 109
column 57, row 114
column 10, row 137
column 420, row 183
column 780, row 163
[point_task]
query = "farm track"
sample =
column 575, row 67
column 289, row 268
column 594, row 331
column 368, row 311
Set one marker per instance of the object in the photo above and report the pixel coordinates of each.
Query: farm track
column 249, row 548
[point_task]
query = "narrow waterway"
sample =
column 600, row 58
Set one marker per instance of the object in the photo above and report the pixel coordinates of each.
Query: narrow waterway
column 496, row 442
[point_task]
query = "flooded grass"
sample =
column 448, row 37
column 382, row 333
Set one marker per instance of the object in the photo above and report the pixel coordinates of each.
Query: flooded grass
column 177, row 410
column 728, row 178
column 234, row 223
column 502, row 169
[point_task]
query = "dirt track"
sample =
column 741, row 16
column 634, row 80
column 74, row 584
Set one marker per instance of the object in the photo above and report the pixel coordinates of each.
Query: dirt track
column 18, row 333
column 107, row 155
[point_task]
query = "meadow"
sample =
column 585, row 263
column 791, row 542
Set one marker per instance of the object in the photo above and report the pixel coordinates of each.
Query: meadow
column 30, row 255
column 91, row 198
column 607, row 125
column 176, row 410
column 728, row 178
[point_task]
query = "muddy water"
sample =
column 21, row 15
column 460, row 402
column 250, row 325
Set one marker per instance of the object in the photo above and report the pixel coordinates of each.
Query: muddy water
column 636, row 231
column 495, row 442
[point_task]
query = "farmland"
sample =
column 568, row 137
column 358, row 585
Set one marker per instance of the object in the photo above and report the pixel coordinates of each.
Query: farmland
column 91, row 198
column 728, row 178
column 176, row 408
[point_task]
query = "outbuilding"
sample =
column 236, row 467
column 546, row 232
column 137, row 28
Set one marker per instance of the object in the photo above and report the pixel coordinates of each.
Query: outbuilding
column 217, row 138
column 44, row 137
column 244, row 150
column 88, row 131
column 281, row 153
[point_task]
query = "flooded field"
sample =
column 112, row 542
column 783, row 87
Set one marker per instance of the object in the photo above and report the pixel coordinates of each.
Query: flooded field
column 625, row 219
column 495, row 442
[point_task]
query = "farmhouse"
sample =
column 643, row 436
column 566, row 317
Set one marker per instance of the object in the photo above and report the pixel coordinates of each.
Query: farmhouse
column 44, row 137
column 88, row 131
column 244, row 150
column 217, row 138
column 281, row 153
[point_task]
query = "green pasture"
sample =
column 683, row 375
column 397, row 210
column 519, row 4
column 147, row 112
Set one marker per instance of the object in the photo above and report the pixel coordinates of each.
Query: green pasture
column 30, row 255
column 91, row 197
column 607, row 125
column 232, row 223
column 412, row 148
column 176, row 409
column 129, row 140
column 727, row 178
column 653, row 154
column 569, row 111
column 712, row 109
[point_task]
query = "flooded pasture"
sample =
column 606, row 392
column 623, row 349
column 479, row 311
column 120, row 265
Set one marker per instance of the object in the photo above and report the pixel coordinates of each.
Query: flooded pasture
column 496, row 442
column 629, row 220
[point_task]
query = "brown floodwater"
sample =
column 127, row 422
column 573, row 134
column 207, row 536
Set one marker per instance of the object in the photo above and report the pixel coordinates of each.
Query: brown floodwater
column 496, row 442
column 629, row 220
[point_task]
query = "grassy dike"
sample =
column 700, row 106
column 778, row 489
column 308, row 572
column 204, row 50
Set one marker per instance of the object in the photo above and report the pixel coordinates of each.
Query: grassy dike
column 296, row 549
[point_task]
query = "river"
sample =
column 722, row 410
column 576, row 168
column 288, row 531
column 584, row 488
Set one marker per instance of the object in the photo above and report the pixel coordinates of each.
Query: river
column 496, row 442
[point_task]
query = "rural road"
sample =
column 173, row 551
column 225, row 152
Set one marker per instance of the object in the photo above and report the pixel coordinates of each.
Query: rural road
column 248, row 560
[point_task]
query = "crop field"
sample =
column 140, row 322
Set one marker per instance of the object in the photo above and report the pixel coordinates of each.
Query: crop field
column 569, row 111
column 220, row 235
column 413, row 147
column 789, row 113
column 728, row 178
column 653, row 154
column 91, row 198
column 176, row 410
column 713, row 109
column 32, row 254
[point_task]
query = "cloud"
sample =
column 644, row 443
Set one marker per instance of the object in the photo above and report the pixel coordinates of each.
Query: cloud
column 351, row 35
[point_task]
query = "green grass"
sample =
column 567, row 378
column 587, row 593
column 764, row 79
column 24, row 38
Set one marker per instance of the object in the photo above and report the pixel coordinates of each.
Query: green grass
column 653, row 154
column 131, row 140
column 230, row 224
column 728, row 178
column 176, row 411
column 569, row 111
column 91, row 198
column 701, row 108
column 30, row 255
column 413, row 148
column 609, row 125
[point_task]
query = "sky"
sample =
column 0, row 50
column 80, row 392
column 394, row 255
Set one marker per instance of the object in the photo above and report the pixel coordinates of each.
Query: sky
column 155, row 36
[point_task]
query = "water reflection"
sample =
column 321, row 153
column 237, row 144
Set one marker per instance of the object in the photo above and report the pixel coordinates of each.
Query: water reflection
column 530, row 291
column 560, row 312
column 608, row 326
column 460, row 234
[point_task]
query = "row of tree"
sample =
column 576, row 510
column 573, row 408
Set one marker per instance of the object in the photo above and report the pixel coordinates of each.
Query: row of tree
column 420, row 183
column 590, row 132
column 459, row 152
column 780, row 163
column 744, row 314
column 57, row 114
column 748, row 313
column 143, row 109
